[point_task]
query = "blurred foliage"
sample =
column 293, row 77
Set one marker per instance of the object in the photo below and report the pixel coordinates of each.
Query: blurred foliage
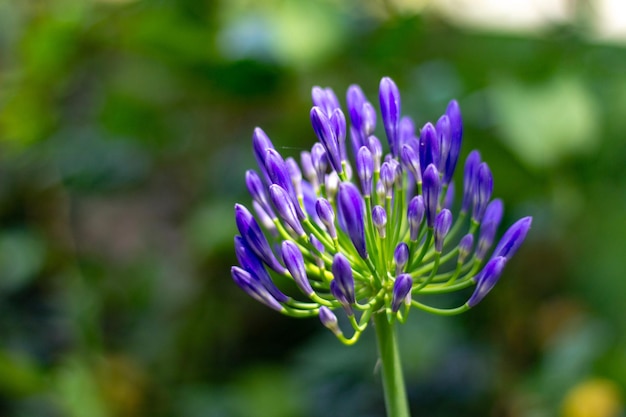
column 124, row 135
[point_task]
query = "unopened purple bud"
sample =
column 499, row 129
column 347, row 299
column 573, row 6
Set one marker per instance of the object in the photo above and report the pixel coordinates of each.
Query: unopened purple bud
column 411, row 162
column 443, row 222
column 379, row 218
column 254, row 288
column 387, row 176
column 381, row 190
column 355, row 99
column 320, row 161
column 401, row 256
column 327, row 216
column 389, row 96
column 267, row 220
column 465, row 247
column 294, row 261
column 401, row 292
column 483, row 190
column 279, row 174
column 317, row 245
column 487, row 279
column 429, row 146
column 285, row 208
column 415, row 215
column 329, row 320
column 257, row 191
column 309, row 197
column 365, row 168
column 456, row 134
column 513, row 238
column 338, row 123
column 351, row 212
column 445, row 141
column 342, row 273
column 489, row 227
column 295, row 174
column 307, row 168
column 324, row 131
column 406, row 131
column 325, row 98
column 431, row 187
column 469, row 180
column 260, row 143
column 255, row 239
column 368, row 118
column 254, row 266
column 377, row 151
column 449, row 198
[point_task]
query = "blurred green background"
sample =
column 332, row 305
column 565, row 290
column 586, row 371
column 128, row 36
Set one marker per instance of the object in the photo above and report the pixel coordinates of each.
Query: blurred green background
column 125, row 133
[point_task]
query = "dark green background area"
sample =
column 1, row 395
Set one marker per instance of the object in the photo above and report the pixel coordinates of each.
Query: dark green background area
column 125, row 133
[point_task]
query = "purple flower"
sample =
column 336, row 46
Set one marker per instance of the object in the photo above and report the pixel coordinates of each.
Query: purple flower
column 487, row 279
column 429, row 146
column 432, row 188
column 285, row 208
column 344, row 281
column 329, row 320
column 379, row 218
column 513, row 238
column 482, row 192
column 415, row 216
column 325, row 133
column 370, row 236
column 401, row 292
column 442, row 225
column 253, row 265
column 365, row 168
column 351, row 211
column 325, row 99
column 255, row 239
column 390, row 110
column 401, row 256
column 469, row 180
column 326, row 215
column 489, row 227
column 254, row 288
column 456, row 134
column 465, row 247
column 292, row 257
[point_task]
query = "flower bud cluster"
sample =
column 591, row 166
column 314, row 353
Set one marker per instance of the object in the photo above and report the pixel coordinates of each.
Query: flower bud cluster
column 376, row 237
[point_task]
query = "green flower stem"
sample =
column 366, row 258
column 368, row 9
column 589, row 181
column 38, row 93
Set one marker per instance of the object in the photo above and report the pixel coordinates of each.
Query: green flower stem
column 393, row 381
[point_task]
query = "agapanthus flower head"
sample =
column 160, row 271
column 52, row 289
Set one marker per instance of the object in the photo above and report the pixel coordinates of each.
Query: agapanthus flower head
column 383, row 239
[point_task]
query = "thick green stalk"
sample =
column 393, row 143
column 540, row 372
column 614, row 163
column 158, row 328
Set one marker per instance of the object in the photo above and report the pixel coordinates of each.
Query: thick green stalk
column 393, row 379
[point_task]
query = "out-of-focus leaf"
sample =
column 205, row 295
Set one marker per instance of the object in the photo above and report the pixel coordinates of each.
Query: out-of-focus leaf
column 21, row 258
column 547, row 122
